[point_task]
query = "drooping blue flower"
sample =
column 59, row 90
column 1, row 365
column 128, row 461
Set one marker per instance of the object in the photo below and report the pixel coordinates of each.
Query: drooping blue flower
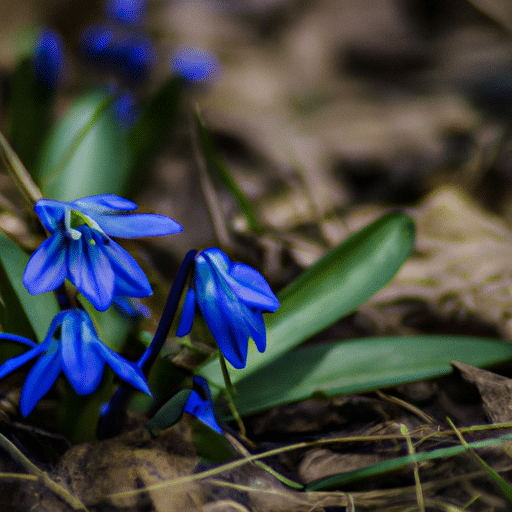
column 195, row 64
column 231, row 297
column 80, row 248
column 48, row 58
column 126, row 110
column 73, row 347
column 200, row 404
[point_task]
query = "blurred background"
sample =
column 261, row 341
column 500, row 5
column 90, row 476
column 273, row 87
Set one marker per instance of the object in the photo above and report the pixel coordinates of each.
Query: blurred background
column 327, row 112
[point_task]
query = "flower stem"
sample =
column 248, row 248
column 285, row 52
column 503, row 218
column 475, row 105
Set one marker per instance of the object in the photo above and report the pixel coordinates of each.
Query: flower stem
column 110, row 420
column 230, row 394
column 149, row 357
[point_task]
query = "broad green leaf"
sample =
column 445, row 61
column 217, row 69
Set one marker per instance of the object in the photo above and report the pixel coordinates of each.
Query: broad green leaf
column 21, row 313
column 361, row 365
column 218, row 168
column 333, row 287
column 380, row 468
column 86, row 153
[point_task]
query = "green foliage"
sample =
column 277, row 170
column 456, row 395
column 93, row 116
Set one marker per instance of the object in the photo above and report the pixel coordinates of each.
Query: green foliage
column 381, row 468
column 333, row 287
column 168, row 414
column 86, row 152
column 359, row 365
column 20, row 312
column 30, row 109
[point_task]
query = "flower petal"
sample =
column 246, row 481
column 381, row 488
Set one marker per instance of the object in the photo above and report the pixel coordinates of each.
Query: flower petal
column 103, row 203
column 224, row 317
column 90, row 270
column 39, row 380
column 128, row 276
column 257, row 328
column 137, row 225
column 51, row 213
column 82, row 365
column 46, row 269
column 252, row 287
column 127, row 370
column 202, row 410
column 16, row 362
column 187, row 313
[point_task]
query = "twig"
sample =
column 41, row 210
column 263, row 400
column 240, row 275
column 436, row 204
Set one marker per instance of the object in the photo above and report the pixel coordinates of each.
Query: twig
column 36, row 473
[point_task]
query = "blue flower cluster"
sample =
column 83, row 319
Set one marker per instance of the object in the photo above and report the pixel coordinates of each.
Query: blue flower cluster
column 80, row 248
column 231, row 297
column 118, row 45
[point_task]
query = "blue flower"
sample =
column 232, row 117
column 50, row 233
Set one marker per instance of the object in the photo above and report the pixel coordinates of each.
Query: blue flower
column 130, row 12
column 231, row 297
column 129, row 54
column 194, row 64
column 73, row 347
column 80, row 248
column 48, row 58
column 125, row 109
column 200, row 404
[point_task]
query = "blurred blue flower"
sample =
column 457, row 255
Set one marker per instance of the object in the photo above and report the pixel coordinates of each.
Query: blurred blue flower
column 231, row 297
column 81, row 249
column 130, row 12
column 195, row 64
column 73, row 347
column 200, row 404
column 126, row 110
column 48, row 58
column 127, row 53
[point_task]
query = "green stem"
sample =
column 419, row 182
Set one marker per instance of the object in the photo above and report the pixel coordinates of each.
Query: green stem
column 230, row 393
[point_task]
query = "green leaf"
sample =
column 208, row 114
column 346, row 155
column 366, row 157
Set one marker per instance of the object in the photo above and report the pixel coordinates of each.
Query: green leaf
column 86, row 153
column 361, row 365
column 151, row 130
column 30, row 109
column 169, row 414
column 333, row 287
column 380, row 468
column 21, row 313
column 211, row 446
column 218, row 168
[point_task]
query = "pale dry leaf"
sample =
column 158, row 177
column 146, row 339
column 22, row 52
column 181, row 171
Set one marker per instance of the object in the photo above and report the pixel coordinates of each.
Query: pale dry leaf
column 462, row 263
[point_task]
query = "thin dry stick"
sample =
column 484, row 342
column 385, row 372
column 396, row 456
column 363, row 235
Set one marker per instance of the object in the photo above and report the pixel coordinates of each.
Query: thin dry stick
column 210, row 196
column 410, row 447
column 42, row 476
column 306, row 444
column 18, row 171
